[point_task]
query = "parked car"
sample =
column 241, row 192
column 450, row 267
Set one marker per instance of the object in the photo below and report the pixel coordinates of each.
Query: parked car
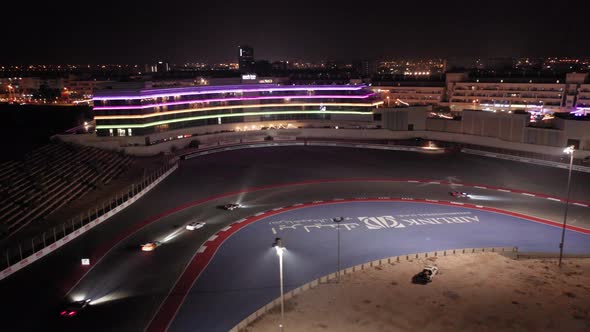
column 426, row 275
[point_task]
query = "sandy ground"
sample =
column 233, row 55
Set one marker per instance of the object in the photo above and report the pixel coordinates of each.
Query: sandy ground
column 478, row 292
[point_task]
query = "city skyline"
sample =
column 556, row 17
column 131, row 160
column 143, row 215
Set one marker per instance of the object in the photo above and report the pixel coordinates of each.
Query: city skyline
column 311, row 31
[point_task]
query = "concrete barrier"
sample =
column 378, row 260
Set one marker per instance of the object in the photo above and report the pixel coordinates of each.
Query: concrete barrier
column 314, row 283
column 526, row 160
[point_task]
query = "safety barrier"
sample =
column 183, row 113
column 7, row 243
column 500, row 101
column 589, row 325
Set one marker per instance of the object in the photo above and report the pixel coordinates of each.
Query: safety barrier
column 390, row 260
column 526, row 160
column 217, row 147
column 42, row 245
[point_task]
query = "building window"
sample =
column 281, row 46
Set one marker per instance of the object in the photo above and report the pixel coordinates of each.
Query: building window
column 110, row 132
column 120, row 132
column 129, row 132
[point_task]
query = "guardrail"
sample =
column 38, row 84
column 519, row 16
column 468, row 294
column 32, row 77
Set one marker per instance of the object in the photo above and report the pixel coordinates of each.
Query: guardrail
column 526, row 160
column 325, row 279
column 16, row 258
column 220, row 148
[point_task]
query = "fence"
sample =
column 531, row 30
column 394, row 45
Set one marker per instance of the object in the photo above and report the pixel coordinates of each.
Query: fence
column 395, row 259
column 27, row 252
column 522, row 158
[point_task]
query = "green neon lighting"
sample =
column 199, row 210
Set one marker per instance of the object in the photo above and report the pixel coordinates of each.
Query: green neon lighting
column 203, row 117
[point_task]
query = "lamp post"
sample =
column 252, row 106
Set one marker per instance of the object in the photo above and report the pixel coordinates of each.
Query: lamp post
column 569, row 150
column 338, row 221
column 278, row 245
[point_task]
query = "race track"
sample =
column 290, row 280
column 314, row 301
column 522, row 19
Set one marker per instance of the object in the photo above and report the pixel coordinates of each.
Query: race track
column 124, row 280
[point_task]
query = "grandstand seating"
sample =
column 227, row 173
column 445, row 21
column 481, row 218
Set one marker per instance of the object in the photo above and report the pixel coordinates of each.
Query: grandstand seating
column 50, row 177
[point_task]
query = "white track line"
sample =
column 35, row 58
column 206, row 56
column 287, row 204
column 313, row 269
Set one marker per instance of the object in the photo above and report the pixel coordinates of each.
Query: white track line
column 580, row 204
column 226, row 228
column 554, row 199
column 480, row 187
column 213, row 237
column 527, row 194
column 201, row 249
column 504, row 190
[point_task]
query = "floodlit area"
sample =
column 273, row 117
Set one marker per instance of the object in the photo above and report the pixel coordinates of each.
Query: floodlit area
column 475, row 292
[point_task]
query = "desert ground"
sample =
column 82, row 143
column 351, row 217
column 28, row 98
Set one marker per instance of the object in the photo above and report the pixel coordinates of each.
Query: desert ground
column 476, row 292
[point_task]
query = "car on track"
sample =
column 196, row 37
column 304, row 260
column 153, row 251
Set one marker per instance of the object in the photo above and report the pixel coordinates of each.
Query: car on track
column 459, row 194
column 426, row 275
column 73, row 308
column 232, row 206
column 150, row 246
column 195, row 225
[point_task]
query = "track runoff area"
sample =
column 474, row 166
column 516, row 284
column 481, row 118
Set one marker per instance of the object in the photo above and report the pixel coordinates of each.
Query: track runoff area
column 235, row 272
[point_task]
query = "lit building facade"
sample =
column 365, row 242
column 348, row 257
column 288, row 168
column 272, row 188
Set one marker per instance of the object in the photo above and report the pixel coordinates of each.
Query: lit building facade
column 147, row 111
column 413, row 95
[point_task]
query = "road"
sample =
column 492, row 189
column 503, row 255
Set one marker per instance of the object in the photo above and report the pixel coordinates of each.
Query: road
column 136, row 283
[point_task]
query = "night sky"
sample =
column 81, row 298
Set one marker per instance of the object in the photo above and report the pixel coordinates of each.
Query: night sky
column 126, row 31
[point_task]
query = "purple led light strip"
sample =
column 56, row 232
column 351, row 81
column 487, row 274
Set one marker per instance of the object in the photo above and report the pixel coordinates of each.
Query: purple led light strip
column 133, row 107
column 155, row 94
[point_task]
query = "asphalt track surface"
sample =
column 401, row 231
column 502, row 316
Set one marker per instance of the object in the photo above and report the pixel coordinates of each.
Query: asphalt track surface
column 242, row 277
column 131, row 285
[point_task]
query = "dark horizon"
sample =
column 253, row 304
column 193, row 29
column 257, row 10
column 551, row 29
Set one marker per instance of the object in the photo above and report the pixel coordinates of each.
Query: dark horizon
column 181, row 31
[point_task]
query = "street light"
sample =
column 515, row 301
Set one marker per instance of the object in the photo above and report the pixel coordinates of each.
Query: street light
column 338, row 221
column 280, row 248
column 569, row 150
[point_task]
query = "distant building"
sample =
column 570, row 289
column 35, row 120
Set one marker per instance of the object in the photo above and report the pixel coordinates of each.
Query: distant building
column 162, row 67
column 159, row 67
column 246, row 58
column 280, row 65
column 81, row 88
column 364, row 68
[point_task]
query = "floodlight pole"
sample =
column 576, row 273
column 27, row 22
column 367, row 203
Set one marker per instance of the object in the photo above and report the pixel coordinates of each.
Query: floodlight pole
column 278, row 245
column 338, row 221
column 570, row 150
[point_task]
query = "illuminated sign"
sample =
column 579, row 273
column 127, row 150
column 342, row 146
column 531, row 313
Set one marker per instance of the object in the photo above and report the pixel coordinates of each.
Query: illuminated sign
column 249, row 77
column 266, row 80
column 85, row 261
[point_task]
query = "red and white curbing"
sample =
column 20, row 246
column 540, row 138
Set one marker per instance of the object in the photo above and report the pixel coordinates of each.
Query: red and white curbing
column 169, row 308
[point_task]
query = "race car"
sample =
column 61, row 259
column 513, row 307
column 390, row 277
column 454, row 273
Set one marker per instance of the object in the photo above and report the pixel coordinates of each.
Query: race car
column 231, row 206
column 150, row 246
column 195, row 225
column 73, row 308
column 459, row 194
column 426, row 275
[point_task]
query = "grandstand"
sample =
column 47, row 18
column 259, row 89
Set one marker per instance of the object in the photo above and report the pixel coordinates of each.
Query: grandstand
column 51, row 177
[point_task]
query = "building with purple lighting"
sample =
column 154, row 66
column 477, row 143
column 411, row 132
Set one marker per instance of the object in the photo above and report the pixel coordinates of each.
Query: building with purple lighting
column 146, row 111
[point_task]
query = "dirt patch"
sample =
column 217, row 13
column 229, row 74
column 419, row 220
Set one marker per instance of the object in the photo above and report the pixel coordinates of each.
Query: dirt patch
column 480, row 292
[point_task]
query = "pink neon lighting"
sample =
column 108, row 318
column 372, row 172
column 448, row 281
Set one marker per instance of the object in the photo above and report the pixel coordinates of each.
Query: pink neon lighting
column 138, row 95
column 133, row 107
